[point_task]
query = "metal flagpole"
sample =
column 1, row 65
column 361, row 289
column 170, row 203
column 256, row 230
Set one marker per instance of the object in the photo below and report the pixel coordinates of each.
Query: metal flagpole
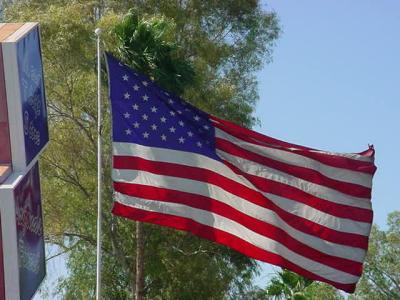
column 99, row 169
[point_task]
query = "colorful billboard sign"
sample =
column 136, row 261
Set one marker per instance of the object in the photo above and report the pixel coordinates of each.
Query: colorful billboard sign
column 23, row 136
column 32, row 94
column 30, row 238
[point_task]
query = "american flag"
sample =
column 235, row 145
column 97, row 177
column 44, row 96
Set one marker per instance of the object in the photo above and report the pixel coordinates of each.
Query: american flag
column 292, row 206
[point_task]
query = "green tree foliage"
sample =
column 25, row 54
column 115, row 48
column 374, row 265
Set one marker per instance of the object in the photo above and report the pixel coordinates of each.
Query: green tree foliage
column 146, row 46
column 225, row 43
column 288, row 285
column 381, row 276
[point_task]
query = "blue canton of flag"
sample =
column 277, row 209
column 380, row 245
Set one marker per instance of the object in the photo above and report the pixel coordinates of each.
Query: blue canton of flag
column 145, row 114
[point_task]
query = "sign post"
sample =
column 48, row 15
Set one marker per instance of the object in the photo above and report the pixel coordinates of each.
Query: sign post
column 23, row 137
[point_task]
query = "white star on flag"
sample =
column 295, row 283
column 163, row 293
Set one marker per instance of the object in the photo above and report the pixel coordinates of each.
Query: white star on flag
column 125, row 77
column 127, row 95
column 145, row 98
column 136, row 87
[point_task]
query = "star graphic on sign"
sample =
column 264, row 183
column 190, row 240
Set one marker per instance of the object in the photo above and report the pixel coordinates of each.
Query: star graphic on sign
column 128, row 131
column 181, row 140
column 190, row 133
column 172, row 129
column 136, row 124
column 136, row 87
column 145, row 83
column 127, row 115
column 135, row 106
column 127, row 95
column 163, row 137
column 125, row 77
column 145, row 117
column 154, row 127
column 146, row 135
column 153, row 109
column 145, row 98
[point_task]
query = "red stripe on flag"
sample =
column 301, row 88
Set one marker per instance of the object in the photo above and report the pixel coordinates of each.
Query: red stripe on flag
column 300, row 172
column 309, row 227
column 290, row 192
column 221, row 237
column 325, row 158
column 265, row 229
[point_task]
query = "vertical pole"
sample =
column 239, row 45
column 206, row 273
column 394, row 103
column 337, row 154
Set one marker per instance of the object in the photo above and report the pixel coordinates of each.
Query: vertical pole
column 99, row 169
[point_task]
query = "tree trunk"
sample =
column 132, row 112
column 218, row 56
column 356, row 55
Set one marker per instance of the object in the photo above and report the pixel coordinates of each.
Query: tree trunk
column 139, row 286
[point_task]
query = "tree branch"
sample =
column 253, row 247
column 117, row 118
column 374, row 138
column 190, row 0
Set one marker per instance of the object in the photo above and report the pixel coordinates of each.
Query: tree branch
column 68, row 178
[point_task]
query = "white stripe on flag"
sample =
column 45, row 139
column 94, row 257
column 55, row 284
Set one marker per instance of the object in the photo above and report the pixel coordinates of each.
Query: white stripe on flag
column 354, row 156
column 242, row 205
column 234, row 228
column 317, row 190
column 201, row 161
column 300, row 161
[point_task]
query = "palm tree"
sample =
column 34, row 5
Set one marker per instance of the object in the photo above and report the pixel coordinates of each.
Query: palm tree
column 288, row 285
column 149, row 46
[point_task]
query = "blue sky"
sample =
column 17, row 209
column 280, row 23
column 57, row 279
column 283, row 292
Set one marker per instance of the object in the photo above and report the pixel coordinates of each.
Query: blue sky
column 334, row 84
